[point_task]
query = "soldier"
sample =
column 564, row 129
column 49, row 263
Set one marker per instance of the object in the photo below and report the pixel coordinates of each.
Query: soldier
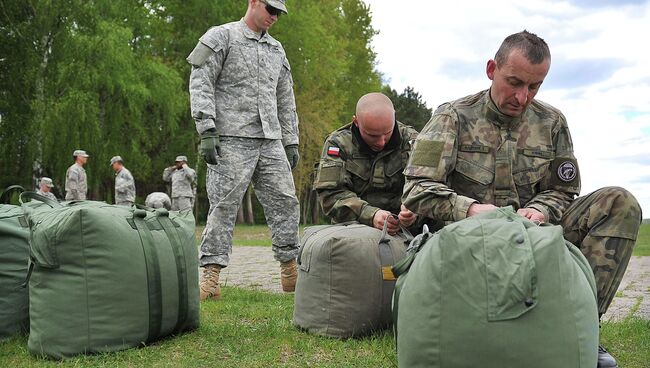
column 45, row 188
column 501, row 147
column 158, row 200
column 124, row 183
column 359, row 177
column 76, row 186
column 183, row 179
column 242, row 101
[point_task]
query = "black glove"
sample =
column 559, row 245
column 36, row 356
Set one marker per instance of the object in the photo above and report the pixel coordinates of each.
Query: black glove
column 292, row 155
column 210, row 147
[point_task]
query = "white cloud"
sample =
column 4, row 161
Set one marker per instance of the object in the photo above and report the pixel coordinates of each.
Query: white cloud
column 440, row 49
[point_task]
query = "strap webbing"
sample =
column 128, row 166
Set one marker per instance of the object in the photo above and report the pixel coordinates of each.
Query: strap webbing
column 153, row 277
column 181, row 271
column 386, row 258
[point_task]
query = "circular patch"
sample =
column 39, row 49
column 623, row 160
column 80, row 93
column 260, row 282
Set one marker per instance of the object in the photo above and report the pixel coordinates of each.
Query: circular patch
column 567, row 171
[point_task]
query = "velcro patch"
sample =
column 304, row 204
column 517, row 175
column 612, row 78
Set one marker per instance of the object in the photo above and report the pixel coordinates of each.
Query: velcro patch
column 565, row 171
column 333, row 151
column 427, row 153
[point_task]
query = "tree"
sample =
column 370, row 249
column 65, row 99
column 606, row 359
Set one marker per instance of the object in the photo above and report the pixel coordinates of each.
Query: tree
column 409, row 107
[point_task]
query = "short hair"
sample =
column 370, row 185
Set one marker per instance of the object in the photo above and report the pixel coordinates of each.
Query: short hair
column 533, row 47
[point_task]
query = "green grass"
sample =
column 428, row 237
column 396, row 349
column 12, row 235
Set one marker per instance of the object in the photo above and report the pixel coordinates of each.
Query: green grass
column 253, row 329
column 642, row 247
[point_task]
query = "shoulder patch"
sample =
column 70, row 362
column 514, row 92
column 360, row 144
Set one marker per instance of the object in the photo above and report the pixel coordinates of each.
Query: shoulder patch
column 567, row 171
column 427, row 153
column 333, row 151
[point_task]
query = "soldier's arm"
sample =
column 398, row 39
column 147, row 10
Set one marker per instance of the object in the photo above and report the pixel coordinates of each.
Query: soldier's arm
column 432, row 160
column 73, row 183
column 190, row 174
column 333, row 185
column 206, row 60
column 287, row 106
column 167, row 174
column 562, row 183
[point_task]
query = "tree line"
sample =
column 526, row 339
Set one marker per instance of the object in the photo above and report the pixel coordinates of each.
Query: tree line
column 110, row 77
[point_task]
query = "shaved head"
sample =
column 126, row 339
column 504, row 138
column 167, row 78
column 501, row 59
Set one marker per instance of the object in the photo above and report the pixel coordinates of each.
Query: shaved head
column 375, row 118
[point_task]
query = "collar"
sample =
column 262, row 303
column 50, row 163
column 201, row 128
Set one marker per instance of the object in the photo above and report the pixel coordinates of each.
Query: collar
column 249, row 33
column 393, row 142
column 492, row 113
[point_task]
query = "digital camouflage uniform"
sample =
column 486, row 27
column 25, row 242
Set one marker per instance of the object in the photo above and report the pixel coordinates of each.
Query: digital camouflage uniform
column 183, row 181
column 353, row 182
column 241, row 85
column 469, row 152
column 158, row 200
column 76, row 187
column 124, row 188
column 49, row 195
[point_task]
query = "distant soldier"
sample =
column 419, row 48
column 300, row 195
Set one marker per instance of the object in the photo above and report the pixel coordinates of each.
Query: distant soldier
column 45, row 188
column 183, row 179
column 76, row 185
column 158, row 200
column 124, row 183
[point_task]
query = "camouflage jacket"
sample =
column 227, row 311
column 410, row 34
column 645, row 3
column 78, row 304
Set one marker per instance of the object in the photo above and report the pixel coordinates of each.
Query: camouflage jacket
column 469, row 152
column 241, row 85
column 183, row 180
column 353, row 182
column 124, row 186
column 76, row 187
column 49, row 195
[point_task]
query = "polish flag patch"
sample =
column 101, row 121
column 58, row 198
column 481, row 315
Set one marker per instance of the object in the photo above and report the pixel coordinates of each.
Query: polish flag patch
column 333, row 151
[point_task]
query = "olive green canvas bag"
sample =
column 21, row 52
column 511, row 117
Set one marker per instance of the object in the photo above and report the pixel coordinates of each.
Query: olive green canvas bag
column 495, row 290
column 345, row 282
column 108, row 278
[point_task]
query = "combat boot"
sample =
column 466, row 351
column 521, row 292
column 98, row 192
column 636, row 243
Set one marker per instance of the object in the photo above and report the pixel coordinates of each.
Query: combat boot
column 605, row 359
column 209, row 286
column 288, row 275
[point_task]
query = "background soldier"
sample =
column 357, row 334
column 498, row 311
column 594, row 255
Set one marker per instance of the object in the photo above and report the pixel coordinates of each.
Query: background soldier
column 360, row 175
column 183, row 179
column 76, row 185
column 158, row 200
column 242, row 100
column 124, row 183
column 45, row 188
column 501, row 147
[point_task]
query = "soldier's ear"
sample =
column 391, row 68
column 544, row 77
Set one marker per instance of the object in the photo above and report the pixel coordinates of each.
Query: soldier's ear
column 354, row 121
column 490, row 68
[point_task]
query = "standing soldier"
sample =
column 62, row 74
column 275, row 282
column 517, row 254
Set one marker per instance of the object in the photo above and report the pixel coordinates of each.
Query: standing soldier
column 241, row 95
column 124, row 183
column 45, row 188
column 183, row 179
column 76, row 185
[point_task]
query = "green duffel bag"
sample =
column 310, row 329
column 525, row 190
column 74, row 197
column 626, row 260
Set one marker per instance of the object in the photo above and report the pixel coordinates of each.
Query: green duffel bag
column 345, row 282
column 108, row 278
column 14, row 257
column 495, row 290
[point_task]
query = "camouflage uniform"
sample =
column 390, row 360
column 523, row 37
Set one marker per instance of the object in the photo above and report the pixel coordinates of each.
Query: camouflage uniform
column 241, row 85
column 158, row 200
column 353, row 182
column 124, row 188
column 49, row 195
column 469, row 152
column 183, row 181
column 76, row 187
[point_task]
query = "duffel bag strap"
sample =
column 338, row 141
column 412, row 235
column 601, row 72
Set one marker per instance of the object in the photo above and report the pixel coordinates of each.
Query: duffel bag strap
column 33, row 195
column 154, row 283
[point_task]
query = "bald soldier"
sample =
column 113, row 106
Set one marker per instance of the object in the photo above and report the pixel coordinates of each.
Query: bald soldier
column 359, row 176
column 502, row 147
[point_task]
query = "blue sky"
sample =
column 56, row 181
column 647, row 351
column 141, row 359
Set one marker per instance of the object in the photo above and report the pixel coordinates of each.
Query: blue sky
column 599, row 77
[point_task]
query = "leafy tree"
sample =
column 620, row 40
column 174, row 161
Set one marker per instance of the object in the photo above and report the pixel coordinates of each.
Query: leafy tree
column 409, row 107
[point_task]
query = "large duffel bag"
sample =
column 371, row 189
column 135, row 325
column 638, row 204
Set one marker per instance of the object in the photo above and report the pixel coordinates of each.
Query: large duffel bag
column 107, row 278
column 345, row 282
column 14, row 257
column 496, row 290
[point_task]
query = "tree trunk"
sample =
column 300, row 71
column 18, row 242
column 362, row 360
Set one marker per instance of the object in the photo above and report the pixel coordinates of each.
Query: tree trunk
column 315, row 208
column 250, row 218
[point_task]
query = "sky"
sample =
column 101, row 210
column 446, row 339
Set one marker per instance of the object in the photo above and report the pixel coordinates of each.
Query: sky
column 599, row 76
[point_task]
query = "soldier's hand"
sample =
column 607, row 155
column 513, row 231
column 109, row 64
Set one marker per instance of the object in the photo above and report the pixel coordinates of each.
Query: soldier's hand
column 476, row 208
column 379, row 219
column 292, row 155
column 531, row 214
column 406, row 217
column 210, row 147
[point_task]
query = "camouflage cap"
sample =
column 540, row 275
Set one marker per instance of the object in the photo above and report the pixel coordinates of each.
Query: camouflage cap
column 47, row 181
column 81, row 153
column 181, row 158
column 278, row 4
column 115, row 159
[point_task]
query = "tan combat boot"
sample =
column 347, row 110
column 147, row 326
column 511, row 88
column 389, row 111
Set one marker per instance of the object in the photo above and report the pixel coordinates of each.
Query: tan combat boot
column 288, row 275
column 209, row 286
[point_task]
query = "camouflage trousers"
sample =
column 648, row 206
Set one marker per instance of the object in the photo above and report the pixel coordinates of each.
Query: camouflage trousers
column 264, row 163
column 604, row 225
column 182, row 203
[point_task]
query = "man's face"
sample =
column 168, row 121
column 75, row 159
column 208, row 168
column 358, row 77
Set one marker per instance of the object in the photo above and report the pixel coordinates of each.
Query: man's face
column 45, row 188
column 515, row 84
column 375, row 129
column 262, row 19
column 179, row 164
column 116, row 166
column 82, row 160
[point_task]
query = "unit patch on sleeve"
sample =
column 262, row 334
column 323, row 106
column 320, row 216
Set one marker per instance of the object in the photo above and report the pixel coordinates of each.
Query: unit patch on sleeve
column 333, row 151
column 567, row 171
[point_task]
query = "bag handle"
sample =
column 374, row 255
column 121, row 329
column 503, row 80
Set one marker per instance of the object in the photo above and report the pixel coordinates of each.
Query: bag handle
column 33, row 195
column 6, row 194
